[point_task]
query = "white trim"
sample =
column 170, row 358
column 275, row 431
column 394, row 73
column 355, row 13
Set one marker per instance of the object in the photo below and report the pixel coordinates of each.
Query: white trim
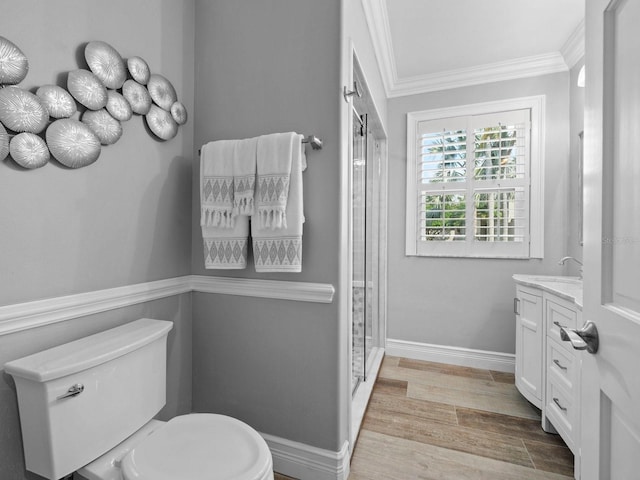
column 277, row 289
column 23, row 316
column 299, row 460
column 573, row 48
column 533, row 66
column 466, row 357
column 536, row 104
column 375, row 12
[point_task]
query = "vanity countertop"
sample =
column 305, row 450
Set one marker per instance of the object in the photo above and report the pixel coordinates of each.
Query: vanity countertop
column 569, row 288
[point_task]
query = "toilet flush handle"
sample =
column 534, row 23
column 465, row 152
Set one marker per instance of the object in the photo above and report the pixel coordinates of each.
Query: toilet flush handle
column 74, row 390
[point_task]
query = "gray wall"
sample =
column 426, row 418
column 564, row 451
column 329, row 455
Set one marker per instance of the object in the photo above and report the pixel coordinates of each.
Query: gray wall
column 468, row 302
column 264, row 67
column 120, row 221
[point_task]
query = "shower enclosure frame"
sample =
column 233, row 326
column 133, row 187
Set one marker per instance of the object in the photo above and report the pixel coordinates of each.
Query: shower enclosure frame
column 362, row 104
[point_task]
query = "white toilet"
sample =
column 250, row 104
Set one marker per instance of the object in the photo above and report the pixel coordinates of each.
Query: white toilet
column 87, row 407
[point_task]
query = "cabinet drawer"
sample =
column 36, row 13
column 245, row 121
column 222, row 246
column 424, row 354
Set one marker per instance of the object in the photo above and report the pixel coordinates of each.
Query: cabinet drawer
column 559, row 316
column 562, row 365
column 561, row 411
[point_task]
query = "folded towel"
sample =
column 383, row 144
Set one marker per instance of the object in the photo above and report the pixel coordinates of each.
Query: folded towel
column 216, row 184
column 280, row 249
column 274, row 154
column 244, row 176
column 226, row 248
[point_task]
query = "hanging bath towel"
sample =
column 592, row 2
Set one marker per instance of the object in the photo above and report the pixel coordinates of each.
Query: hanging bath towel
column 277, row 234
column 244, row 176
column 226, row 248
column 224, row 235
column 216, row 184
column 274, row 156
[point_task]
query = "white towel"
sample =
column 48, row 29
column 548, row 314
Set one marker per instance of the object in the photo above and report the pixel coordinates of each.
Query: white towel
column 280, row 249
column 244, row 176
column 224, row 236
column 274, row 154
column 226, row 248
column 216, row 184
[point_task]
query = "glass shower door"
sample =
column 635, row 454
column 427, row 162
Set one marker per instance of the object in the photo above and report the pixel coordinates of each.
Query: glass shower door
column 361, row 324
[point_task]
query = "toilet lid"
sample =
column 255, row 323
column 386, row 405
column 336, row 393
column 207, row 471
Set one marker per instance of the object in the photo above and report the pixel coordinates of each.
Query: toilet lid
column 200, row 446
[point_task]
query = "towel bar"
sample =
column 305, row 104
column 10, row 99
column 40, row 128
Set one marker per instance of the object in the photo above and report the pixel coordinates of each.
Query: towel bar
column 315, row 142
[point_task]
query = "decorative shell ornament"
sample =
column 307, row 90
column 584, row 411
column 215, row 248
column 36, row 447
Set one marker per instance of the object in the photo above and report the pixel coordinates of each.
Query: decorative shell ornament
column 58, row 102
column 87, row 89
column 4, row 143
column 138, row 97
column 106, row 64
column 118, row 106
column 162, row 92
column 14, row 65
column 161, row 123
column 29, row 150
column 22, row 111
column 106, row 128
column 139, row 70
column 73, row 143
column 179, row 113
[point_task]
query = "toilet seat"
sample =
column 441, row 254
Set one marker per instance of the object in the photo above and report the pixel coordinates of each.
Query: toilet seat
column 200, row 446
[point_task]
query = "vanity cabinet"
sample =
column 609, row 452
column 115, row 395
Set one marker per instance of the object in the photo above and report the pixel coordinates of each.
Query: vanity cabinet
column 547, row 371
column 529, row 336
column 562, row 399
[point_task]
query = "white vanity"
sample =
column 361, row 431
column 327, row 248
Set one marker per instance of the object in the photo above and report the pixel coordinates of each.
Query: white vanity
column 547, row 368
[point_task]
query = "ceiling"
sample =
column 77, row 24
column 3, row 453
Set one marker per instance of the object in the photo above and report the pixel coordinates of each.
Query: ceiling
column 428, row 45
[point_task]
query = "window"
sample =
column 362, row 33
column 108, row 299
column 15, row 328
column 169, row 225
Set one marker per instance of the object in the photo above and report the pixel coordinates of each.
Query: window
column 474, row 180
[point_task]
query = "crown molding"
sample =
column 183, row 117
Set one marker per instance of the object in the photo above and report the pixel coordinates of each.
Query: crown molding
column 375, row 12
column 378, row 22
column 573, row 49
column 494, row 72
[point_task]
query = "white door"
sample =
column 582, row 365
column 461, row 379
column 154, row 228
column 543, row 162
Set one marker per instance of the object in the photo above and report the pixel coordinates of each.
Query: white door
column 610, row 439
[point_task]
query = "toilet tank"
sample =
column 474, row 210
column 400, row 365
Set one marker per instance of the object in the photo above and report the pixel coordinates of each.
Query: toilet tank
column 121, row 374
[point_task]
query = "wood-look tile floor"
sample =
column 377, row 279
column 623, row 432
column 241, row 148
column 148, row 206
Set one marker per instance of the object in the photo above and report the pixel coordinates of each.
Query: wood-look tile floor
column 434, row 421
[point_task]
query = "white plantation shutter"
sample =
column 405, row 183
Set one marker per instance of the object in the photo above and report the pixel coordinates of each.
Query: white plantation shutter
column 469, row 181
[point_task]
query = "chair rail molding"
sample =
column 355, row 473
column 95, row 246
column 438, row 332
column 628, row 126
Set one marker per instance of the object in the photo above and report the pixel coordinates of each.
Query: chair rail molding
column 37, row 313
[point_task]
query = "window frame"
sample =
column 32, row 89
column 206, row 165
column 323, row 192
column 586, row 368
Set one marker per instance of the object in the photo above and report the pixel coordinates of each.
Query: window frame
column 536, row 105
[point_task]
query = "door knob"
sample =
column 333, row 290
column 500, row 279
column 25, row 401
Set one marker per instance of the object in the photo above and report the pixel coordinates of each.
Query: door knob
column 584, row 339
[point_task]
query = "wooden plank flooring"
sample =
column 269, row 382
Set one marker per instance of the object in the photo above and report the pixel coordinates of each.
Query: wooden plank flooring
column 433, row 421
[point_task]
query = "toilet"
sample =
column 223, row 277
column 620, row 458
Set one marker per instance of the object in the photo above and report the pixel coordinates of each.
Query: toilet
column 87, row 408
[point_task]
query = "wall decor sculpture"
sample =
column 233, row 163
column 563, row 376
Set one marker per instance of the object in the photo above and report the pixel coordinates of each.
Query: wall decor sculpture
column 73, row 124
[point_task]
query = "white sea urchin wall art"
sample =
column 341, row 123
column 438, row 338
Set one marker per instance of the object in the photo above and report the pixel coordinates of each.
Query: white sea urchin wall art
column 36, row 127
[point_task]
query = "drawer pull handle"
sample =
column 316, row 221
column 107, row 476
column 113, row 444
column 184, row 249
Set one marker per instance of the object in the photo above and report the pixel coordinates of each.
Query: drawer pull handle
column 516, row 306
column 557, row 402
column 557, row 362
column 557, row 324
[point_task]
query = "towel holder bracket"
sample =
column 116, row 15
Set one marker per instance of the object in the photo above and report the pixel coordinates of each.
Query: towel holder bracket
column 314, row 141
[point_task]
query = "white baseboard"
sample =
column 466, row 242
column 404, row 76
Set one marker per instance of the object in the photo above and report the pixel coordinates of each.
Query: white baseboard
column 466, row 357
column 299, row 460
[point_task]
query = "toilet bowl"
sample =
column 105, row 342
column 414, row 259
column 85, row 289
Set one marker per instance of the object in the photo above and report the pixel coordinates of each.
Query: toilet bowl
column 188, row 447
column 100, row 393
